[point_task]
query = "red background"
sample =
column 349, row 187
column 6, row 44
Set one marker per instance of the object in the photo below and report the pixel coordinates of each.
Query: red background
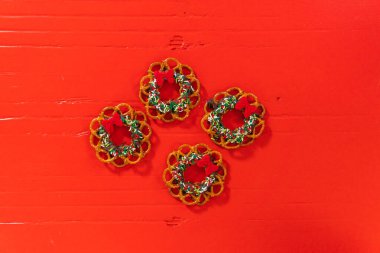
column 309, row 184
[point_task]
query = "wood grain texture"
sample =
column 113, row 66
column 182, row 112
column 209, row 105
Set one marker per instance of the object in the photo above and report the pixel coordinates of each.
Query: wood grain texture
column 309, row 184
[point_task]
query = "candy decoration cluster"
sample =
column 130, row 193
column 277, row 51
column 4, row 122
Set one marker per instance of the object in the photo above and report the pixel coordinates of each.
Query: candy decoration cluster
column 121, row 135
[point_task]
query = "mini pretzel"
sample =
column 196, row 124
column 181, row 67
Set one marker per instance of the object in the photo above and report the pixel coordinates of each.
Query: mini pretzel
column 222, row 102
column 169, row 72
column 197, row 193
column 102, row 127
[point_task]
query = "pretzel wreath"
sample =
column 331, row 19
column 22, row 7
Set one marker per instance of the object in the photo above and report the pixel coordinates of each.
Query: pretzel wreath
column 173, row 72
column 221, row 103
column 197, row 193
column 122, row 115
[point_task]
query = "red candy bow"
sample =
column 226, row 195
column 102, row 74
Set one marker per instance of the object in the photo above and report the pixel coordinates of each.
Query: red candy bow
column 243, row 103
column 109, row 124
column 161, row 76
column 209, row 166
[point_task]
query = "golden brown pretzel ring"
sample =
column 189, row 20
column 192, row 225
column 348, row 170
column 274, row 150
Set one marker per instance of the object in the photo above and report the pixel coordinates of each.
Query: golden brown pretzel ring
column 248, row 138
column 120, row 160
column 174, row 185
column 146, row 82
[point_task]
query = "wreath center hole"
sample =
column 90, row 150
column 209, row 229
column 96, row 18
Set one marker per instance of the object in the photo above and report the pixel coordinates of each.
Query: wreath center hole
column 194, row 174
column 233, row 119
column 169, row 91
column 121, row 135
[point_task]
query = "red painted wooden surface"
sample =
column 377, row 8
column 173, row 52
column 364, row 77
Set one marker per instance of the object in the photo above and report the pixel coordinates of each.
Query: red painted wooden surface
column 309, row 184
